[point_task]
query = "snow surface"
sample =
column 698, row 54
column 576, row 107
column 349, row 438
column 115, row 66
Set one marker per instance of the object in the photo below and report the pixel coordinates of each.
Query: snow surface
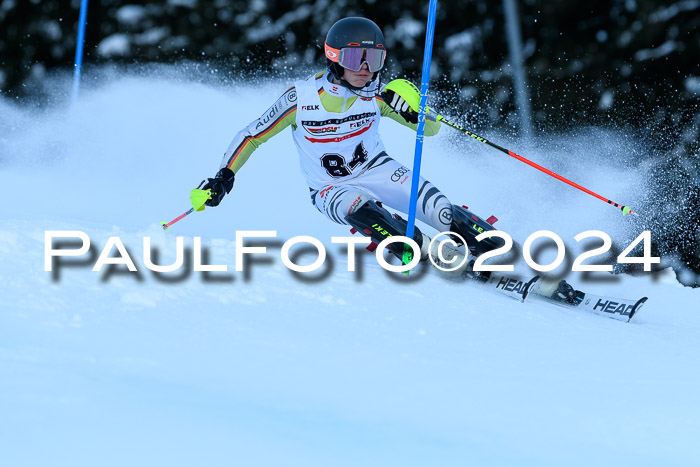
column 342, row 368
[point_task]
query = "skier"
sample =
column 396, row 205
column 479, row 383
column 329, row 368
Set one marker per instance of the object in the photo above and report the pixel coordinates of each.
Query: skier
column 334, row 117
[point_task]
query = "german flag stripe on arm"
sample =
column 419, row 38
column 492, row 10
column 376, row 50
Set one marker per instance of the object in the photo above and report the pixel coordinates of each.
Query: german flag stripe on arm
column 252, row 142
column 276, row 123
column 279, row 116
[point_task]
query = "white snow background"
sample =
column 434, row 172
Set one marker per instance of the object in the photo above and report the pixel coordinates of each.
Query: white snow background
column 347, row 369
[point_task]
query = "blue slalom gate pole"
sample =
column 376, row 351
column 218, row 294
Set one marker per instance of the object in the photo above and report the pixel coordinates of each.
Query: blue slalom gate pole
column 78, row 65
column 425, row 81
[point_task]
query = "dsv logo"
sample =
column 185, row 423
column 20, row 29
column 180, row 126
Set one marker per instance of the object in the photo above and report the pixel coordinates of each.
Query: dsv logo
column 398, row 173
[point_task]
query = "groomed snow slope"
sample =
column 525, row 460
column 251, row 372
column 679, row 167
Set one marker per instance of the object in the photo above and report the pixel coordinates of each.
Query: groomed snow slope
column 340, row 369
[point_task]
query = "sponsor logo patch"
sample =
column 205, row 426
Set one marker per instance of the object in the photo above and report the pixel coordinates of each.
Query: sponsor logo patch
column 445, row 215
column 269, row 115
column 339, row 121
column 320, row 131
column 354, row 205
column 398, row 173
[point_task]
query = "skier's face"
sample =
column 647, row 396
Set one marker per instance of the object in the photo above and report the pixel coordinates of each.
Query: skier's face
column 357, row 78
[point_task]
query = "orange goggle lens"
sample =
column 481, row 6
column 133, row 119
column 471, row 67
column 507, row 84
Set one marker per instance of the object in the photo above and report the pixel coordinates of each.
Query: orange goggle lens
column 353, row 58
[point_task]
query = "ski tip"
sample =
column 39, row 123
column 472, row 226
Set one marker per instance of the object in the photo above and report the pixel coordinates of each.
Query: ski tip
column 165, row 225
column 636, row 307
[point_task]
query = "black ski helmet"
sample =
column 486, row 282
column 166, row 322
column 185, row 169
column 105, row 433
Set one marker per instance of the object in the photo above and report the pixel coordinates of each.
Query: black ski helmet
column 351, row 32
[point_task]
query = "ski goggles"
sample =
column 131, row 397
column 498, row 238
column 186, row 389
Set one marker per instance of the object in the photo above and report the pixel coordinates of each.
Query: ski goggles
column 353, row 58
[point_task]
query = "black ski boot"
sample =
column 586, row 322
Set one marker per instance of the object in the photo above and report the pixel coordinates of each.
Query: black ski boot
column 372, row 220
column 469, row 226
column 566, row 293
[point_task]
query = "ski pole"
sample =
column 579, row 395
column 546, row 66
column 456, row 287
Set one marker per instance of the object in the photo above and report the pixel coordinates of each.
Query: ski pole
column 420, row 130
column 625, row 209
column 80, row 45
column 197, row 198
column 166, row 225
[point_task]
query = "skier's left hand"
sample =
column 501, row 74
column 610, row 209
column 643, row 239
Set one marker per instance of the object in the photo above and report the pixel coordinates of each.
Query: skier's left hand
column 400, row 106
column 220, row 185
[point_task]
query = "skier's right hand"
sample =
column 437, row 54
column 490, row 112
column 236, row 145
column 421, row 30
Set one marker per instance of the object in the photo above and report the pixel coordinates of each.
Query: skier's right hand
column 400, row 106
column 220, row 186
